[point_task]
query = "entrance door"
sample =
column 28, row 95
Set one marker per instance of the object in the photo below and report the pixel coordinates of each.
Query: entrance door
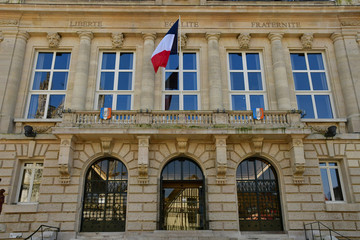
column 105, row 197
column 258, row 196
column 182, row 196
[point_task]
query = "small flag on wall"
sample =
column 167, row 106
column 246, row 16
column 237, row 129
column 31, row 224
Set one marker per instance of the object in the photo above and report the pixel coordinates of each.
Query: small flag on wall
column 258, row 113
column 105, row 113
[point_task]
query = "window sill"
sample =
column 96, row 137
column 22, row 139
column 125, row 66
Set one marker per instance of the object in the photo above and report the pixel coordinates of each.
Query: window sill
column 21, row 207
column 325, row 120
column 16, row 120
column 342, row 207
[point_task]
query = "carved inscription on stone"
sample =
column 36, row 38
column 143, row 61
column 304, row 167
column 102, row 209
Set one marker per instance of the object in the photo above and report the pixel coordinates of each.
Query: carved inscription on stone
column 9, row 22
column 350, row 23
column 183, row 24
column 94, row 24
column 275, row 24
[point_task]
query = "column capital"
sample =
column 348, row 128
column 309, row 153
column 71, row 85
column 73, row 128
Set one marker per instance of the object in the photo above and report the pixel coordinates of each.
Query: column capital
column 23, row 35
column 275, row 36
column 336, row 37
column 149, row 36
column 212, row 36
column 85, row 34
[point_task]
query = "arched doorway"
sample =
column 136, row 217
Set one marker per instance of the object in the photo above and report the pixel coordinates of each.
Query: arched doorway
column 105, row 197
column 182, row 203
column 258, row 196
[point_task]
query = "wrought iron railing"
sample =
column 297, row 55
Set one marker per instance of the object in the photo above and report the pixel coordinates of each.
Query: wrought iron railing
column 319, row 231
column 44, row 232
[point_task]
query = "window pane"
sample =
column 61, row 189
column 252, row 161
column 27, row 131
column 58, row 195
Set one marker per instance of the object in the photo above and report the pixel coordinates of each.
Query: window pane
column 62, row 61
column 44, row 61
column 105, row 101
column 173, row 63
column 298, row 61
column 37, row 106
column 238, row 102
column 25, row 185
column 108, row 61
column 256, row 101
column 59, row 81
column 171, row 102
column 125, row 81
column 107, row 81
column 253, row 61
column 301, row 81
column 189, row 61
column 255, row 81
column 305, row 104
column 190, row 82
column 126, row 61
column 235, row 61
column 123, row 102
column 171, row 81
column 323, row 106
column 335, row 180
column 190, row 102
column 237, row 81
column 56, row 105
column 319, row 81
column 326, row 186
column 315, row 61
column 41, row 81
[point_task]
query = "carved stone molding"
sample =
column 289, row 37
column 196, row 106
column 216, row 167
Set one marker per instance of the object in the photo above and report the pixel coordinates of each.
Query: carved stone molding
column 117, row 40
column 350, row 23
column 53, row 39
column 143, row 159
column 275, row 36
column 149, row 36
column 86, row 34
column 336, row 37
column 307, row 40
column 221, row 158
column 106, row 144
column 67, row 146
column 182, row 144
column 297, row 159
column 258, row 143
column 13, row 22
column 212, row 36
column 244, row 40
column 183, row 40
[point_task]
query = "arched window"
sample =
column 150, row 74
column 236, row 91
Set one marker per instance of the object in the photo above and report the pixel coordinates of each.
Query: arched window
column 258, row 196
column 182, row 205
column 105, row 197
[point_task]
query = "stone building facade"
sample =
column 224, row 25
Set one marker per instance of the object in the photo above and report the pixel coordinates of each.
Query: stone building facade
column 182, row 145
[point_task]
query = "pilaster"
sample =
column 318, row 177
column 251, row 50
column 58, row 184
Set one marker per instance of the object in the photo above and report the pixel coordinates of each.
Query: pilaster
column 297, row 159
column 143, row 159
column 221, row 158
column 66, row 155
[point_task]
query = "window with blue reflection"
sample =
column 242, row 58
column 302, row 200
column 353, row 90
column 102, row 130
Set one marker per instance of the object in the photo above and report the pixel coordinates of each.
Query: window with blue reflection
column 41, row 81
column 237, row 81
column 190, row 102
column 62, row 60
column 257, row 101
column 315, row 61
column 123, row 102
column 171, row 102
column 336, row 186
column 331, row 181
column 298, row 61
column 305, row 105
column 253, row 61
column 105, row 101
column 37, row 106
column 59, row 81
column 326, row 185
column 238, row 102
column 126, row 61
column 44, row 60
column 190, row 80
column 173, row 62
column 171, row 81
column 125, row 81
column 323, row 106
column 301, row 81
column 189, row 61
column 255, row 82
column 235, row 61
column 56, row 105
column 108, row 61
column 319, row 81
column 107, row 81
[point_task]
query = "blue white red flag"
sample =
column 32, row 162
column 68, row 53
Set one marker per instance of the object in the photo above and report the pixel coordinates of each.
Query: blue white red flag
column 258, row 113
column 105, row 113
column 167, row 46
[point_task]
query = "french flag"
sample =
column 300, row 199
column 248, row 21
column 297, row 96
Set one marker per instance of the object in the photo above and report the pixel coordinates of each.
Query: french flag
column 167, row 46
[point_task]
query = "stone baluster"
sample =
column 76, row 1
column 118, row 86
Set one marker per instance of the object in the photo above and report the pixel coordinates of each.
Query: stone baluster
column 279, row 67
column 13, row 82
column 82, row 72
column 214, row 70
column 347, row 86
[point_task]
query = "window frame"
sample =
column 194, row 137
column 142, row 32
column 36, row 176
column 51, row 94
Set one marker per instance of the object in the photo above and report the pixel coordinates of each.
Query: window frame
column 21, row 178
column 48, row 92
column 341, row 180
column 313, row 92
column 114, row 93
column 245, row 71
column 181, row 92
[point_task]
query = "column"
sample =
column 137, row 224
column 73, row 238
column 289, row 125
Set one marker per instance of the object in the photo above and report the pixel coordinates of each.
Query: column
column 214, row 71
column 347, row 86
column 82, row 72
column 148, row 74
column 279, row 68
column 13, row 82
